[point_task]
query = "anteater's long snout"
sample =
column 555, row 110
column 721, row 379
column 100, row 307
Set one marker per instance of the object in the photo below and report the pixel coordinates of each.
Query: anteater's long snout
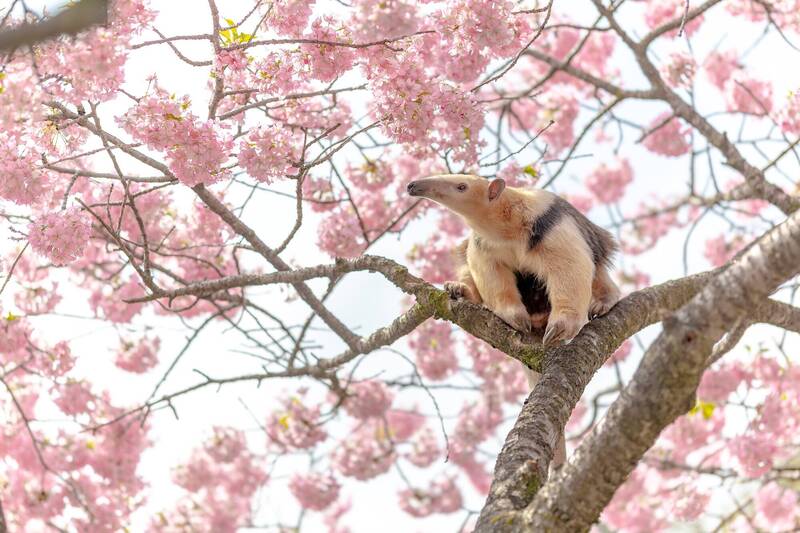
column 423, row 187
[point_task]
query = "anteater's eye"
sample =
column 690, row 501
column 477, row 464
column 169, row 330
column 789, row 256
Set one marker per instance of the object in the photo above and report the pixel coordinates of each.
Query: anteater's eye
column 462, row 187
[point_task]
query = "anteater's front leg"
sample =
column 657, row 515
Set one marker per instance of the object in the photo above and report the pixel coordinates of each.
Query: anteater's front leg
column 465, row 286
column 497, row 286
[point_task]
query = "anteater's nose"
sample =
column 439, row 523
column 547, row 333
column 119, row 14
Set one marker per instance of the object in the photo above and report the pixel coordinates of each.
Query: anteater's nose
column 412, row 187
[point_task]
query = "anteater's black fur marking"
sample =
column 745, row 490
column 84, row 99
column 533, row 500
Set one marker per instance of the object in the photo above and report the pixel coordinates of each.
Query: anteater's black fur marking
column 600, row 241
column 533, row 291
column 541, row 225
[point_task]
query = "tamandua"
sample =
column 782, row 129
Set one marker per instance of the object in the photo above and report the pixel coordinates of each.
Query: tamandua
column 532, row 258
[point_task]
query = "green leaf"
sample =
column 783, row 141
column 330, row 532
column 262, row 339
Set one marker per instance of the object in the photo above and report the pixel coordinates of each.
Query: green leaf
column 530, row 171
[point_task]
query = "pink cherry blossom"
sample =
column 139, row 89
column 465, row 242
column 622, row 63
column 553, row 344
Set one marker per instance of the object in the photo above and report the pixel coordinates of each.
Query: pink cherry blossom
column 235, row 60
column 480, row 30
column 89, row 69
column 669, row 139
column 517, row 176
column 608, row 183
column 559, row 41
column 718, row 383
column 434, row 259
column 319, row 194
column 582, row 202
column 276, row 72
column 720, row 66
column 314, row 490
column 340, row 235
column 368, row 399
column 334, row 515
column 451, row 224
column 789, row 117
column 719, row 250
column 221, row 479
column 442, row 497
column 372, row 176
column 130, row 16
column 634, row 507
column 576, row 419
column 560, row 108
column 317, row 114
column 435, row 352
column 23, row 182
column 659, row 12
column 679, row 70
column 58, row 361
column 74, row 397
column 476, row 422
column 595, row 54
column 363, row 455
column 196, row 149
column 649, row 228
column 425, row 449
column 403, row 424
column 60, row 236
column 14, row 336
column 781, row 12
column 328, row 62
column 691, row 432
column 776, row 507
column 750, row 96
column 620, row 354
column 417, row 112
column 296, row 425
column 138, row 357
column 691, row 506
column 289, row 17
column 269, row 152
column 112, row 301
column 504, row 379
column 389, row 19
column 753, row 454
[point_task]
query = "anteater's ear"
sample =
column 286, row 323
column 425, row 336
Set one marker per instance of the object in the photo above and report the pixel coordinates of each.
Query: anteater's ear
column 496, row 187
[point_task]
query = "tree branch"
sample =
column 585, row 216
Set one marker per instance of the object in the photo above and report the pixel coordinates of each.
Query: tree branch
column 664, row 385
column 69, row 21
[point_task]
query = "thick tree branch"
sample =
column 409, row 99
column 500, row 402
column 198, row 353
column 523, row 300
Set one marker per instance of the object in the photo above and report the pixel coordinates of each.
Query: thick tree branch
column 779, row 314
column 646, row 306
column 664, row 385
column 70, row 21
column 566, row 371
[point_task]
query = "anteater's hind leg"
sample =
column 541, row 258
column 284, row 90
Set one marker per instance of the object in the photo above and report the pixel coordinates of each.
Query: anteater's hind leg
column 569, row 285
column 605, row 293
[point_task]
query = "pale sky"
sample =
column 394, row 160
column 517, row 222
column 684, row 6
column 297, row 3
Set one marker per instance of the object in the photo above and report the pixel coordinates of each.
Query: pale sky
column 363, row 301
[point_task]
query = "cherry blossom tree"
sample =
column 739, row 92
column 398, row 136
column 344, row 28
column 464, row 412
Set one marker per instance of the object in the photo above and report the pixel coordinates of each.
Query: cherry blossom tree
column 251, row 208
